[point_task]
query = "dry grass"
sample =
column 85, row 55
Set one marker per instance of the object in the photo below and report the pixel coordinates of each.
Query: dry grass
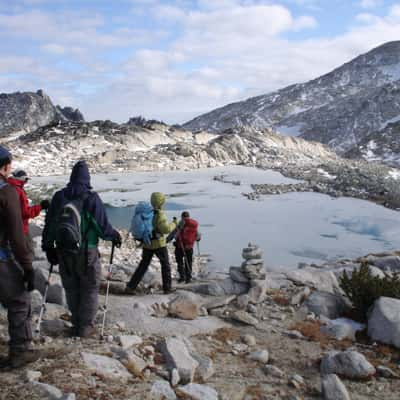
column 281, row 300
column 255, row 392
column 311, row 330
column 225, row 334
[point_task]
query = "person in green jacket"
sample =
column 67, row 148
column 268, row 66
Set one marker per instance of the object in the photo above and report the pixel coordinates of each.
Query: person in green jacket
column 158, row 246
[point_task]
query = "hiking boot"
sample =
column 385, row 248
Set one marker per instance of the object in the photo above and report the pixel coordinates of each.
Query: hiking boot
column 73, row 331
column 87, row 332
column 5, row 363
column 181, row 280
column 130, row 291
column 169, row 291
column 188, row 280
column 19, row 359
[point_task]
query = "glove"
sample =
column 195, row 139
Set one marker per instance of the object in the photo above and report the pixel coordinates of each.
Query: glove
column 52, row 256
column 29, row 278
column 155, row 235
column 45, row 204
column 117, row 240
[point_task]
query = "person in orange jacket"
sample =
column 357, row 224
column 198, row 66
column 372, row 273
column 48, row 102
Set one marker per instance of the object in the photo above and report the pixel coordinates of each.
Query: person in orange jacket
column 18, row 179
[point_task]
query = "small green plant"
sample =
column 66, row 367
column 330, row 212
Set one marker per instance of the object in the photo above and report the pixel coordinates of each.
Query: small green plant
column 362, row 288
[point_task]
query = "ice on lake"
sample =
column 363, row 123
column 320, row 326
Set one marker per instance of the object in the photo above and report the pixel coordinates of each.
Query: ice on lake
column 291, row 228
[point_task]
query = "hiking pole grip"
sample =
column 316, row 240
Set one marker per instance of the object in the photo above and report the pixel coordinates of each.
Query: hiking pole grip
column 112, row 253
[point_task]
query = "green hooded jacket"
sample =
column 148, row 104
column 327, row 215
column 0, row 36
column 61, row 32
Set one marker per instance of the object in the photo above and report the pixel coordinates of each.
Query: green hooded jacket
column 160, row 222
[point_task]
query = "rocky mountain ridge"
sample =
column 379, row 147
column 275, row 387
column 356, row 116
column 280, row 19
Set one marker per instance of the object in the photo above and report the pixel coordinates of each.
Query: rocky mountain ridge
column 155, row 146
column 338, row 109
column 117, row 147
column 23, row 112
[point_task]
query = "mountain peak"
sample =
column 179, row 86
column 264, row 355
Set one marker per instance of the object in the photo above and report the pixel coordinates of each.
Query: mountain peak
column 338, row 108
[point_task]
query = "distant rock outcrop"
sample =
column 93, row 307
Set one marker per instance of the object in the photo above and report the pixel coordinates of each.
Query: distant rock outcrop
column 70, row 114
column 23, row 112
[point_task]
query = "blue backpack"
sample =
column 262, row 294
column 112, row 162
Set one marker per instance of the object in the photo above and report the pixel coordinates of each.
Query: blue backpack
column 142, row 222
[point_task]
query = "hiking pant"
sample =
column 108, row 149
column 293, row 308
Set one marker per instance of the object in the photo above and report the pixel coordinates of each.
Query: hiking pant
column 81, row 284
column 30, row 244
column 184, row 259
column 147, row 255
column 15, row 297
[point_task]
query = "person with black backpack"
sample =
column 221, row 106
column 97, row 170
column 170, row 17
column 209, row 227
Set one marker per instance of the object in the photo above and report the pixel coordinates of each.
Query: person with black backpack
column 17, row 276
column 74, row 223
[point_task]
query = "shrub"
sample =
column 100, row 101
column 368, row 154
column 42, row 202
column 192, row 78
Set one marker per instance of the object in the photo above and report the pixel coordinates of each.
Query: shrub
column 362, row 288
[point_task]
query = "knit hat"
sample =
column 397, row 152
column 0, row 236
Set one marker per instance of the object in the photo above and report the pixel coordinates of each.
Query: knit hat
column 4, row 153
column 20, row 175
column 185, row 214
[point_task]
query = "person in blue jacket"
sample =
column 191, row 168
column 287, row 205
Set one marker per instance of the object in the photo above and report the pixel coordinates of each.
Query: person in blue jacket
column 80, row 274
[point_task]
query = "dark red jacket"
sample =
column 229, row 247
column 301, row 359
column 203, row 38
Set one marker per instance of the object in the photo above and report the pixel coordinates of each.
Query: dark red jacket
column 188, row 235
column 27, row 211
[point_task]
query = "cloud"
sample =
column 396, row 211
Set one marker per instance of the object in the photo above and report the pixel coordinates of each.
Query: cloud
column 370, row 3
column 177, row 60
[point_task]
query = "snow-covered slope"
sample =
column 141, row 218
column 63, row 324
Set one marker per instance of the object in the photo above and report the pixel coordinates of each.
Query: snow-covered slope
column 383, row 145
column 339, row 109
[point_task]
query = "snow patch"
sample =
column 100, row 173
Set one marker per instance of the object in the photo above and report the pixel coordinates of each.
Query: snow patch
column 392, row 70
column 289, row 130
column 389, row 121
column 326, row 174
column 395, row 174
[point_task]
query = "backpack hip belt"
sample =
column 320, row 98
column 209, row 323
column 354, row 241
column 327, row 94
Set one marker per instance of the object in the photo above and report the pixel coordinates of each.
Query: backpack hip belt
column 5, row 255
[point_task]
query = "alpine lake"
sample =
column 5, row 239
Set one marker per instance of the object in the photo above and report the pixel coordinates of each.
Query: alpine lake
column 290, row 228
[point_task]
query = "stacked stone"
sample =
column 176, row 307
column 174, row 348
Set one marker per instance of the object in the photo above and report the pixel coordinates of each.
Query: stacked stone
column 251, row 272
column 253, row 265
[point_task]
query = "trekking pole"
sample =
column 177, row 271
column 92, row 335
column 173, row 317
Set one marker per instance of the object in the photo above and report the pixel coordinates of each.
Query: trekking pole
column 198, row 248
column 43, row 306
column 107, row 292
column 186, row 261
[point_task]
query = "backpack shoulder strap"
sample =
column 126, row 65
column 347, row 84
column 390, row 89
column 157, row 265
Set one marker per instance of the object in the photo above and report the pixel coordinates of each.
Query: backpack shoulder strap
column 85, row 197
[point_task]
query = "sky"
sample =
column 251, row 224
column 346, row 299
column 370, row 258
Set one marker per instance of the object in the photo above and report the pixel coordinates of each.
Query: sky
column 175, row 59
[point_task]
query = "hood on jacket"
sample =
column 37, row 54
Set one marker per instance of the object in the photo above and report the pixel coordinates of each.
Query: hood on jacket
column 157, row 200
column 79, row 181
column 15, row 182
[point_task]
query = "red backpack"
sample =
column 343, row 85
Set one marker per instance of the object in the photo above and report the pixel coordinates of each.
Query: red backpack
column 188, row 234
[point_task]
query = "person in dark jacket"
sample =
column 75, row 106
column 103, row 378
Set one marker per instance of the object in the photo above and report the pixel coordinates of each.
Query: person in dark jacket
column 80, row 274
column 18, row 180
column 16, row 271
column 185, row 237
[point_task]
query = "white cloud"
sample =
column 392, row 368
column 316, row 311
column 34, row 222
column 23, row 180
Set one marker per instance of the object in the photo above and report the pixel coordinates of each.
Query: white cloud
column 219, row 52
column 370, row 3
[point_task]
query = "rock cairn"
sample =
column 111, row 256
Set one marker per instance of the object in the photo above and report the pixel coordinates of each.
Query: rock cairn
column 252, row 273
column 253, row 265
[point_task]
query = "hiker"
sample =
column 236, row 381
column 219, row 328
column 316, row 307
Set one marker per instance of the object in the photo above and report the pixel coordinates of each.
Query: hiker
column 80, row 267
column 18, row 180
column 185, row 237
column 157, row 245
column 16, row 272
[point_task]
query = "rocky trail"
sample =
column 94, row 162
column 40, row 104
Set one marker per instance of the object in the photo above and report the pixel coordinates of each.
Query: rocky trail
column 253, row 334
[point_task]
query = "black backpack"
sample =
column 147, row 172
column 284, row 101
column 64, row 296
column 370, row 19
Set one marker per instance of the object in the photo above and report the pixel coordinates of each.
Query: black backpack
column 69, row 237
